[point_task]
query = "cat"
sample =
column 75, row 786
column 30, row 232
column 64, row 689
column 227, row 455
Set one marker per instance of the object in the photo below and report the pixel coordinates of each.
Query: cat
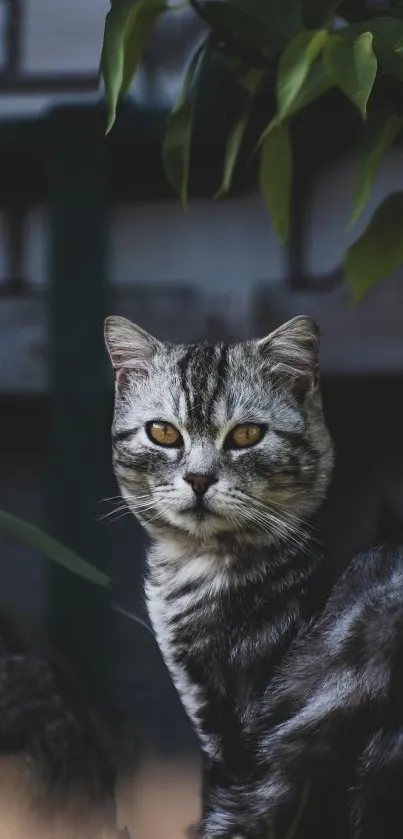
column 291, row 680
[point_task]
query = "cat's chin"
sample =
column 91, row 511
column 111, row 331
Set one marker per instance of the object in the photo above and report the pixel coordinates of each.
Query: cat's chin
column 207, row 527
column 202, row 523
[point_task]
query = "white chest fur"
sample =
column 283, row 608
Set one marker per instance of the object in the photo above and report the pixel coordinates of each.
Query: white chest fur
column 179, row 590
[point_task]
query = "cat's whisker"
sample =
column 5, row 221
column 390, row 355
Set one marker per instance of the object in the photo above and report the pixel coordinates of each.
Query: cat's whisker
column 272, row 525
column 276, row 521
column 143, row 508
column 272, row 504
column 118, row 516
column 138, row 504
column 261, row 522
column 143, row 497
column 111, row 499
column 235, row 521
column 294, row 519
column 112, row 513
column 151, row 519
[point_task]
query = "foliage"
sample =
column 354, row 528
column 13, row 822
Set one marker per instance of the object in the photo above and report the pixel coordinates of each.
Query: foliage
column 51, row 548
column 304, row 48
column 59, row 553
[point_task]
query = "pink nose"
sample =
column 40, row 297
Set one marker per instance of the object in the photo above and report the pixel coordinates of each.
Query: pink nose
column 200, row 483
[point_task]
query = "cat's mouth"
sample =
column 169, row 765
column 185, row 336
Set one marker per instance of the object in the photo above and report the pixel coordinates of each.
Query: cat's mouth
column 199, row 520
column 199, row 511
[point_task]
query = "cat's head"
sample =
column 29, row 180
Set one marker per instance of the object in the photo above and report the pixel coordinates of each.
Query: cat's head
column 215, row 439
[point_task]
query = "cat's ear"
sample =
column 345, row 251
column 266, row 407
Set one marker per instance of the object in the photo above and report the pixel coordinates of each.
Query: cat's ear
column 292, row 352
column 129, row 346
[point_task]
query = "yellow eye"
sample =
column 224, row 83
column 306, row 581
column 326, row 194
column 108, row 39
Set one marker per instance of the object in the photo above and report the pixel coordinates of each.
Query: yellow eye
column 164, row 434
column 243, row 436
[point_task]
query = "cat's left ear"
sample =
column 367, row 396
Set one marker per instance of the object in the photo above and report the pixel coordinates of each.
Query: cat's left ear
column 292, row 353
column 129, row 346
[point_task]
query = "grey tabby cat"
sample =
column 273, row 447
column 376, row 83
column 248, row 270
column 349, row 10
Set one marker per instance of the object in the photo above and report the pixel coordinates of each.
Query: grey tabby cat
column 223, row 454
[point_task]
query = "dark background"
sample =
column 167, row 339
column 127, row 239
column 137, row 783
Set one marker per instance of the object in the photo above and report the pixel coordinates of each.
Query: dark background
column 88, row 227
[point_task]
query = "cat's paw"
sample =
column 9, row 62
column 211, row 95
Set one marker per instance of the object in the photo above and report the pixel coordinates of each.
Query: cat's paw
column 218, row 825
column 237, row 823
column 202, row 830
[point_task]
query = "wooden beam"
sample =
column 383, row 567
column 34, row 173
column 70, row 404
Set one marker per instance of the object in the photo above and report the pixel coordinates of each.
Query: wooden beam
column 13, row 83
column 362, row 340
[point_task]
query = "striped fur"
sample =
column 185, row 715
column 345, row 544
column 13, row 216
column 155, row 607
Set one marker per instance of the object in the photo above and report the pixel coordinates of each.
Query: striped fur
column 236, row 588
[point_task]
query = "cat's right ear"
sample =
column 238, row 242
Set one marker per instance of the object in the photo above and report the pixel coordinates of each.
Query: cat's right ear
column 129, row 346
column 292, row 353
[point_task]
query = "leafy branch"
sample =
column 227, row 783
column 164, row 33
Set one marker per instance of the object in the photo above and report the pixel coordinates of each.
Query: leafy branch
column 304, row 48
column 63, row 556
column 51, row 548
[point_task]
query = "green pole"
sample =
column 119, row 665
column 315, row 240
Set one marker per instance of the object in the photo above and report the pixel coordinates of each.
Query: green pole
column 79, row 457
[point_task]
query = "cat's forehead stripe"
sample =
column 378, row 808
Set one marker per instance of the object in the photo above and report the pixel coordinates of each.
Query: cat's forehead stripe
column 221, row 370
column 183, row 365
column 202, row 371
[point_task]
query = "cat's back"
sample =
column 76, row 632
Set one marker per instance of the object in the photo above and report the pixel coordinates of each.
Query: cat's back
column 355, row 646
column 366, row 606
column 363, row 627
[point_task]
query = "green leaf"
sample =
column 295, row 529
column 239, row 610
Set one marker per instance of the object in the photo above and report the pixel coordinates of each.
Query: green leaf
column 379, row 250
column 388, row 44
column 276, row 166
column 315, row 13
column 251, row 80
column 316, row 84
column 112, row 59
column 178, row 137
column 294, row 66
column 278, row 21
column 54, row 550
column 228, row 20
column 237, row 133
column 132, row 616
column 128, row 28
column 351, row 64
column 138, row 36
column 234, row 143
column 381, row 131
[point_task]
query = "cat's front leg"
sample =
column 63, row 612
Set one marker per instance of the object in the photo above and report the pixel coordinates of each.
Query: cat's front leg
column 241, row 811
column 236, row 807
column 273, row 806
column 225, row 809
column 228, row 816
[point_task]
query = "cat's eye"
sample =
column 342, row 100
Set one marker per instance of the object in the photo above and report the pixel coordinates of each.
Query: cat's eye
column 164, row 434
column 243, row 436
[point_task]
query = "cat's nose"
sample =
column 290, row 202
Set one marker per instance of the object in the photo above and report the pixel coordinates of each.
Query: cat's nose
column 200, row 483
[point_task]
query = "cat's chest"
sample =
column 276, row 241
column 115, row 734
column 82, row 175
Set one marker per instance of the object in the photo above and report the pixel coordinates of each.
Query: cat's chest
column 221, row 639
column 187, row 619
